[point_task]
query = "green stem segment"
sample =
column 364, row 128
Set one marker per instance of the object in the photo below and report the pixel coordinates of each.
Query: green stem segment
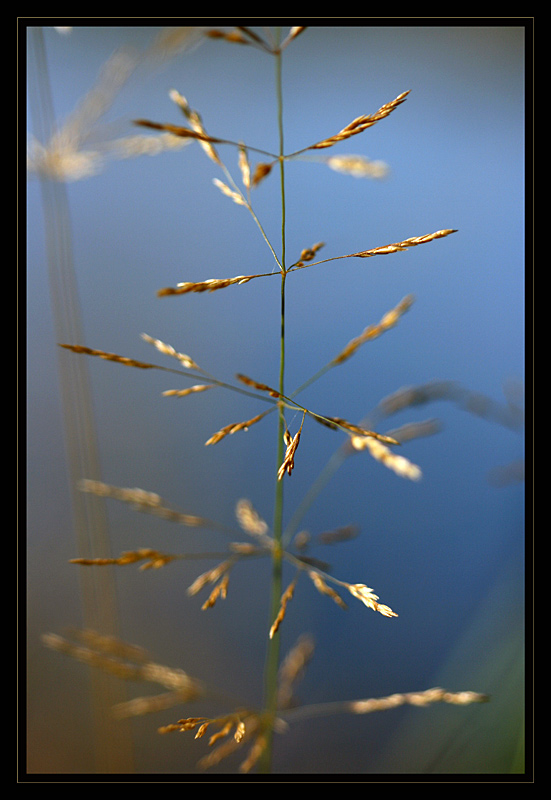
column 272, row 654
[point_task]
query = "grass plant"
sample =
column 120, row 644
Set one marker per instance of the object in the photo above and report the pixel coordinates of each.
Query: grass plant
column 239, row 169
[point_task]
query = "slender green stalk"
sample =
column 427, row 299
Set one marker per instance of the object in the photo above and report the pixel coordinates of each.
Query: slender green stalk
column 272, row 655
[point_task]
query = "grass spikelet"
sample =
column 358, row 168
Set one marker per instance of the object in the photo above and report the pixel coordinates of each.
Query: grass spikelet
column 210, row 576
column 295, row 31
column 262, row 387
column 139, row 498
column 211, row 285
column 404, row 245
column 244, row 724
column 339, row 535
column 309, row 253
column 128, row 362
column 262, row 170
column 147, row 502
column 389, row 320
column 323, row 588
column 424, row 698
column 233, row 428
column 416, row 430
column 237, row 197
column 358, row 166
column 285, row 598
column 289, row 460
column 196, row 123
column 200, row 387
column 179, row 130
column 168, row 350
column 255, row 753
column 154, row 559
column 220, row 590
column 417, row 395
column 337, row 422
column 360, row 123
column 292, row 669
column 127, row 663
column 244, row 166
column 398, row 464
column 235, row 37
column 365, row 594
column 249, row 519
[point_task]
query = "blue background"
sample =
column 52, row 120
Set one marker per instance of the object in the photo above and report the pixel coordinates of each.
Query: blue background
column 446, row 553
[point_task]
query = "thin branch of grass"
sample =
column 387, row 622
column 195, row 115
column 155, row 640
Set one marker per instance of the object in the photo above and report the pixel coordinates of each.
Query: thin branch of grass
column 131, row 362
column 396, row 247
column 357, row 125
column 213, row 284
column 419, row 699
column 122, row 664
column 148, row 503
